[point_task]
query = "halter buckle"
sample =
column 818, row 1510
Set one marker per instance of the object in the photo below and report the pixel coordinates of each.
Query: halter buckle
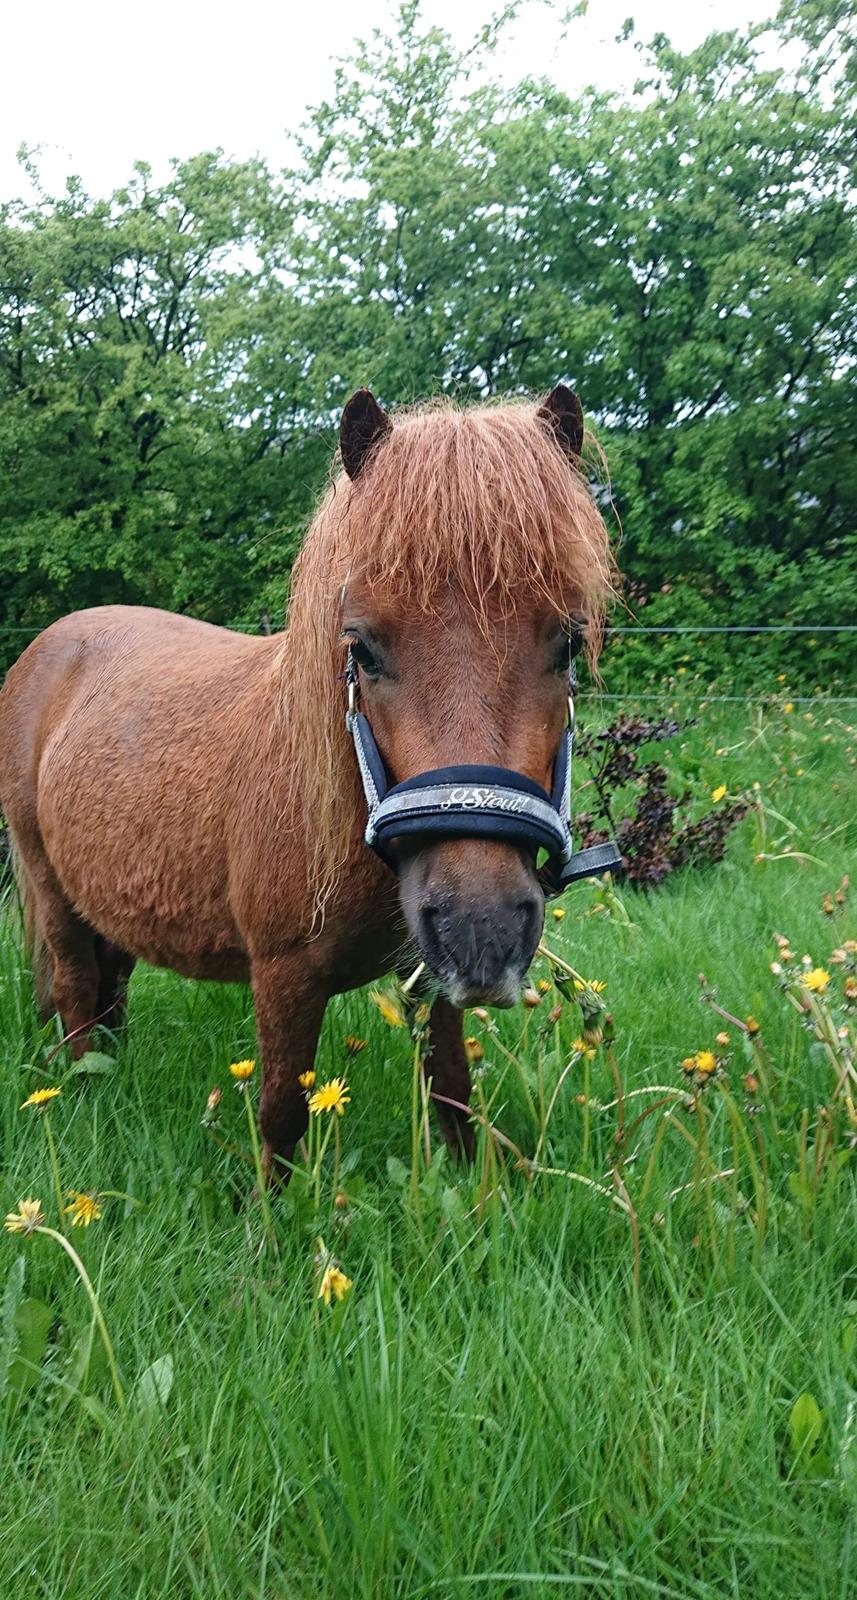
column 353, row 682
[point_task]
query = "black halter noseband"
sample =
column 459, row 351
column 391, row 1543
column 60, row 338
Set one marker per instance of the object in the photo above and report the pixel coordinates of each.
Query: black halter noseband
column 477, row 802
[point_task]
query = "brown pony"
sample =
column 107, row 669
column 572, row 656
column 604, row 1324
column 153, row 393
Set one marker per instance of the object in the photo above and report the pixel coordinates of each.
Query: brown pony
column 189, row 796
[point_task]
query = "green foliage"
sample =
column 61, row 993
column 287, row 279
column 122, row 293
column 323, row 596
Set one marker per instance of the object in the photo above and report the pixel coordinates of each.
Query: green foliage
column 173, row 359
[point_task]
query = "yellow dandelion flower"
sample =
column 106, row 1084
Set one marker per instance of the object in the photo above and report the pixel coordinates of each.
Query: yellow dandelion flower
column 816, row 980
column 332, row 1096
column 751, row 1024
column 595, row 985
column 581, row 1048
column 333, row 1283
column 719, row 792
column 706, row 1062
column 543, row 986
column 473, row 1049
column 353, row 1045
column 28, row 1217
column 85, row 1207
column 306, row 1080
column 558, row 913
column 788, row 706
column 389, row 1007
column 40, row 1097
column 241, row 1070
column 781, row 677
column 688, row 1065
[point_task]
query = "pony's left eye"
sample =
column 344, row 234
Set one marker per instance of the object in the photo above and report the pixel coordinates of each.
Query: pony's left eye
column 562, row 655
column 569, row 644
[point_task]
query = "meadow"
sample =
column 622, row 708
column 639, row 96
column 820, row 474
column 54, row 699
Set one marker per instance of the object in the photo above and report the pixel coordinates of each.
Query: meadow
column 617, row 1356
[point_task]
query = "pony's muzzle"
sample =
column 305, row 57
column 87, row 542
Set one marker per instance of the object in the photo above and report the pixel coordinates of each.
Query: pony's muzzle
column 476, row 911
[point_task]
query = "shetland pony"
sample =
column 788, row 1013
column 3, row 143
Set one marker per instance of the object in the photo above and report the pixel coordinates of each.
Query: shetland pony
column 188, row 796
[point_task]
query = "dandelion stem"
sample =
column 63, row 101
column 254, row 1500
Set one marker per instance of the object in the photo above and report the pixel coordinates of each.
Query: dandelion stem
column 337, row 1155
column 320, row 1157
column 55, row 1171
column 408, row 985
column 264, row 1199
column 68, row 1247
column 558, row 961
column 416, row 1118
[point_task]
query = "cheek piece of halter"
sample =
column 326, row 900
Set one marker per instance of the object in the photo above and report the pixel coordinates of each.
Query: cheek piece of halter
column 477, row 802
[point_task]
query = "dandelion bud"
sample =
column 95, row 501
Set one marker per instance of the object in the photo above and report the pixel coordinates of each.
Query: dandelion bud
column 473, row 1049
column 556, row 1013
column 751, row 1025
column 340, row 1200
column 722, row 1039
column 751, row 1083
column 213, row 1100
column 531, row 998
column 592, row 1036
column 481, row 1013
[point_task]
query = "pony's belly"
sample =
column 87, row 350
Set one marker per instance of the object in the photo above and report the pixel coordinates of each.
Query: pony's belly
column 142, row 880
column 171, row 930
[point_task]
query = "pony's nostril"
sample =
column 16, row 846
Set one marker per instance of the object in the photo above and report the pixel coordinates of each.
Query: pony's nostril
column 528, row 914
column 430, row 938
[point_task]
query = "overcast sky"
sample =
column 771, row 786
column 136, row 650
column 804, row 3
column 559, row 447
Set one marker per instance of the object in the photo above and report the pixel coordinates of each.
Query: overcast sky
column 99, row 84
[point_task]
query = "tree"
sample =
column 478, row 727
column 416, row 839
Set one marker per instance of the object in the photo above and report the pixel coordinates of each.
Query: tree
column 173, row 361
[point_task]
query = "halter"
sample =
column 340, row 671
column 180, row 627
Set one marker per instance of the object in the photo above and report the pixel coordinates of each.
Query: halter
column 477, row 802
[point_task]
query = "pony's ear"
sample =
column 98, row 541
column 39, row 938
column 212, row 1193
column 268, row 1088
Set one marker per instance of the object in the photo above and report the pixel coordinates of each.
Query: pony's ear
column 363, row 424
column 564, row 413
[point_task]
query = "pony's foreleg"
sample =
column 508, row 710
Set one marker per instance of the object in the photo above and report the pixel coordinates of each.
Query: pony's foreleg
column 447, row 1068
column 290, row 1002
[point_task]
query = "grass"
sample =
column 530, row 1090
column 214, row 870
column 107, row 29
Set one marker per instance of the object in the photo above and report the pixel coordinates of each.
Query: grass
column 508, row 1402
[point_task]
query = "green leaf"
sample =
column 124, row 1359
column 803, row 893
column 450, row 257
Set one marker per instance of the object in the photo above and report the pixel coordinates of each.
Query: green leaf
column 802, row 1191
column 87, row 1364
column 93, row 1065
column 805, row 1423
column 152, row 1389
column 397, row 1172
column 33, row 1320
column 8, row 1330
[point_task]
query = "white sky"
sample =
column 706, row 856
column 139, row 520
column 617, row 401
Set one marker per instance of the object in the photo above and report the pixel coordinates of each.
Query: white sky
column 99, row 84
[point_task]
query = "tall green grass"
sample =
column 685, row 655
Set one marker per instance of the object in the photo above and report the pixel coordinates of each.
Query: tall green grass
column 510, row 1401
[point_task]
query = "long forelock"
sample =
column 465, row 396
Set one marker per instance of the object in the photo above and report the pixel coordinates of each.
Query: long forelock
column 481, row 498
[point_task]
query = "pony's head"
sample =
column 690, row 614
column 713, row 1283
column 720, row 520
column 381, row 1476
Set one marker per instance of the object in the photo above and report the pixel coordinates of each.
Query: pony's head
column 461, row 559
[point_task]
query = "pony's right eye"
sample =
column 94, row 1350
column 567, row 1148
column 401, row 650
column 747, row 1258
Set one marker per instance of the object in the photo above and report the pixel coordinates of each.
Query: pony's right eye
column 365, row 659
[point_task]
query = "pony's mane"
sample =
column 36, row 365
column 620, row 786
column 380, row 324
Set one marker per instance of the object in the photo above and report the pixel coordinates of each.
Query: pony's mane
column 482, row 497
